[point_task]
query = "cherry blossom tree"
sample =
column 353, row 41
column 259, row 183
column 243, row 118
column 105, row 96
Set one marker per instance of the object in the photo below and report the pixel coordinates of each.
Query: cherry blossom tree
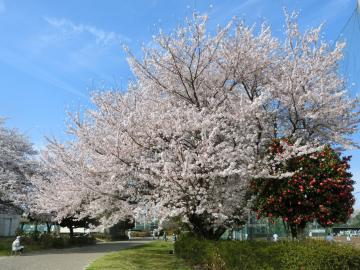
column 17, row 165
column 63, row 196
column 193, row 128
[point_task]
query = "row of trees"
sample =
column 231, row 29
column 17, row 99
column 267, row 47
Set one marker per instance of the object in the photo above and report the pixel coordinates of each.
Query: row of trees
column 192, row 133
column 20, row 169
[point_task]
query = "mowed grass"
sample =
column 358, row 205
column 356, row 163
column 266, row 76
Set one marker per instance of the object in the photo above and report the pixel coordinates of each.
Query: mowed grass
column 5, row 248
column 5, row 245
column 154, row 256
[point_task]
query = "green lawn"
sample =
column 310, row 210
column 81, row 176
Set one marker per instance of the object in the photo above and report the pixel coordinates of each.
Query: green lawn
column 5, row 245
column 154, row 255
column 4, row 248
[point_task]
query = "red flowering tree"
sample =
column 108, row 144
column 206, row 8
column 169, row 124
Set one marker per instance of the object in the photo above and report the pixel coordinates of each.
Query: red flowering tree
column 320, row 189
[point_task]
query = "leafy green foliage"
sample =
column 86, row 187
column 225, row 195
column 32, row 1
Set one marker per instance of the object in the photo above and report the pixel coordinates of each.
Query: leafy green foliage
column 260, row 255
column 46, row 241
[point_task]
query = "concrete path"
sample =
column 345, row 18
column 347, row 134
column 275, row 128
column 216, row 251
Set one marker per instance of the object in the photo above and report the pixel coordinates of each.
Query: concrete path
column 64, row 259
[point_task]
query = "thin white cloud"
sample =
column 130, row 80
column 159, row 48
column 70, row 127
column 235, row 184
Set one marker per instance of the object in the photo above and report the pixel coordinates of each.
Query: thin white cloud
column 2, row 6
column 68, row 29
column 248, row 8
column 245, row 5
column 28, row 67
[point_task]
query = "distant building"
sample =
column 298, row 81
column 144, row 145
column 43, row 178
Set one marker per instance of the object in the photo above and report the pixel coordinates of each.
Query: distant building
column 9, row 219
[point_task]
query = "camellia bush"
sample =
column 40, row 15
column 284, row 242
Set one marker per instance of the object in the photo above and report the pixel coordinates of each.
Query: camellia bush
column 320, row 189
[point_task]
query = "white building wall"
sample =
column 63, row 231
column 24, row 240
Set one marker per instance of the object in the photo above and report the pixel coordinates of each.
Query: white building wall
column 76, row 230
column 9, row 224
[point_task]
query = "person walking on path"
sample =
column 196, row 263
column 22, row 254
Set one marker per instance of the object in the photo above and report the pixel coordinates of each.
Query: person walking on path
column 16, row 247
column 129, row 234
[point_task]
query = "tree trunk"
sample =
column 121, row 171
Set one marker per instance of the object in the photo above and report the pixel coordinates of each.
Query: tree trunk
column 293, row 231
column 301, row 234
column 297, row 231
column 36, row 227
column 48, row 227
column 250, row 227
column 286, row 227
column 204, row 229
column 71, row 228
column 35, row 233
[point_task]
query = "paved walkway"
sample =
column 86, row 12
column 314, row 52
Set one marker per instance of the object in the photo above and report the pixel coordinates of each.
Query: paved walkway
column 64, row 259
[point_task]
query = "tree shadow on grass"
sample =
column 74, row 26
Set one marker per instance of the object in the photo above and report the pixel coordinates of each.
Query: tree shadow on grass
column 97, row 248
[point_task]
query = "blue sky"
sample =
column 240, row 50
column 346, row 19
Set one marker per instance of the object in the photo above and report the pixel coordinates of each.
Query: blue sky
column 54, row 53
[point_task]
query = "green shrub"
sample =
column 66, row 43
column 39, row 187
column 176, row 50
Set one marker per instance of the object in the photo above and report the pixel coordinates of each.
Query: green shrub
column 60, row 242
column 82, row 240
column 45, row 241
column 102, row 236
column 255, row 255
column 140, row 233
column 194, row 250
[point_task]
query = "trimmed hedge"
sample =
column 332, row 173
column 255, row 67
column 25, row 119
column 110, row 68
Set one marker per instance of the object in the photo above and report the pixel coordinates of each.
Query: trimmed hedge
column 256, row 255
column 46, row 241
column 140, row 233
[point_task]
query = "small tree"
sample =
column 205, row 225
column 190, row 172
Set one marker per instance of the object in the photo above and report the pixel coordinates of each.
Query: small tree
column 71, row 223
column 319, row 189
